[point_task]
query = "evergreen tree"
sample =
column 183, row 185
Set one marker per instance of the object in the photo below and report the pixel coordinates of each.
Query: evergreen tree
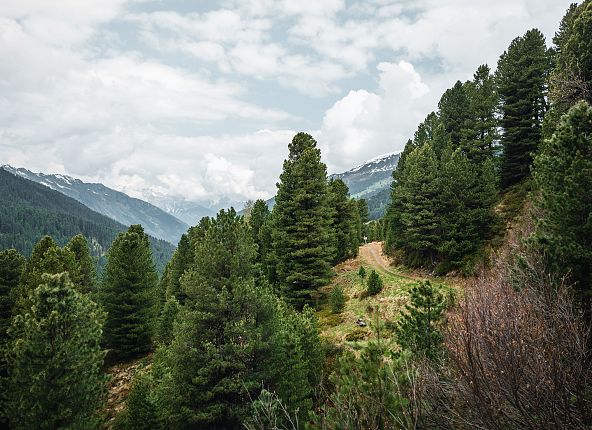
column 259, row 214
column 466, row 218
column 127, row 294
column 481, row 128
column 345, row 221
column 301, row 234
column 415, row 214
column 571, row 79
column 417, row 330
column 141, row 409
column 83, row 274
column 563, row 177
column 166, row 321
column 11, row 267
column 47, row 257
column 375, row 284
column 337, row 299
column 181, row 261
column 364, row 217
column 454, row 112
column 521, row 77
column 55, row 360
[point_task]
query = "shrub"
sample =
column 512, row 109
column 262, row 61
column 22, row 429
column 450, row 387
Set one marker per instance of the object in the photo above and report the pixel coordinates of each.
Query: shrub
column 374, row 284
column 362, row 272
column 337, row 299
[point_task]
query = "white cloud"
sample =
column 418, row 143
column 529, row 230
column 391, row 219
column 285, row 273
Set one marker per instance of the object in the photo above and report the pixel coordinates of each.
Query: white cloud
column 363, row 124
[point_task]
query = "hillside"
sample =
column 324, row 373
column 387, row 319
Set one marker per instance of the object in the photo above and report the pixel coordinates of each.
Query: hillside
column 111, row 203
column 30, row 210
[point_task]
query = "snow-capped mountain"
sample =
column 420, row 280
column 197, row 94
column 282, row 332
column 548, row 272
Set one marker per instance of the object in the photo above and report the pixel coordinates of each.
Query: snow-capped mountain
column 185, row 210
column 370, row 177
column 111, row 203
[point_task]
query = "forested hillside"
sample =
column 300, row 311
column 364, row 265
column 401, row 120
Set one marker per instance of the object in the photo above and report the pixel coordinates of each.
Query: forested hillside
column 111, row 203
column 30, row 211
column 470, row 309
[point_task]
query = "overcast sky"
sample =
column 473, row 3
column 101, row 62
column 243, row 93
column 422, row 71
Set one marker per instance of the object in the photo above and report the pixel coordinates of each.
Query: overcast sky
column 201, row 98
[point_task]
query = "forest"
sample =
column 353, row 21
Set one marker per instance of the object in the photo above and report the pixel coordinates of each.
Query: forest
column 488, row 234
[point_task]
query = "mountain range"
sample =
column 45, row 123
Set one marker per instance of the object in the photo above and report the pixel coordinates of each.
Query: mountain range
column 30, row 211
column 111, row 203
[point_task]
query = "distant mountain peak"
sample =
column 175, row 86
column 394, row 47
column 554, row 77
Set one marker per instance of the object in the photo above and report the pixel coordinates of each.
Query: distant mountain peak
column 377, row 160
column 111, row 203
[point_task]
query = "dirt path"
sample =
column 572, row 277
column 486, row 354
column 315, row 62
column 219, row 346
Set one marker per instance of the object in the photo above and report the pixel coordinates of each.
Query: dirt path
column 372, row 254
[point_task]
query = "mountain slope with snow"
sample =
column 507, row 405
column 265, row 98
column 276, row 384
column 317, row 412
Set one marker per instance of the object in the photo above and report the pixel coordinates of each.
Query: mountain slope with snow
column 111, row 203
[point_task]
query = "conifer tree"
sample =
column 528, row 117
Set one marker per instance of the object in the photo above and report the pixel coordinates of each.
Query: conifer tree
column 259, row 214
column 563, row 176
column 180, row 262
column 83, row 274
column 302, row 236
column 571, row 79
column 418, row 329
column 345, row 223
column 521, row 77
column 11, row 267
column 454, row 112
column 481, row 128
column 127, row 294
column 375, row 284
column 364, row 217
column 141, row 409
column 55, row 360
column 47, row 257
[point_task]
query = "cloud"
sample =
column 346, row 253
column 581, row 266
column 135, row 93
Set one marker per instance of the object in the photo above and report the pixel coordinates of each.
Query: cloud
column 151, row 98
column 363, row 124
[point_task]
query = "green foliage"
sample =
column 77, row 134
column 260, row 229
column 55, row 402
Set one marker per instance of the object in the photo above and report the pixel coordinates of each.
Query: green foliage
column 11, row 267
column 418, row 328
column 337, row 299
column 166, row 321
column 181, row 261
column 571, row 79
column 127, row 294
column 563, row 178
column 375, row 284
column 346, row 221
column 83, row 273
column 55, row 360
column 269, row 412
column 302, row 236
column 522, row 86
column 370, row 392
column 31, row 211
column 140, row 411
column 362, row 272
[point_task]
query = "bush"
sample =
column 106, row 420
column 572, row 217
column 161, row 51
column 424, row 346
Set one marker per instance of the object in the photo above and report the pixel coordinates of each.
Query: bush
column 337, row 299
column 362, row 272
column 356, row 335
column 374, row 284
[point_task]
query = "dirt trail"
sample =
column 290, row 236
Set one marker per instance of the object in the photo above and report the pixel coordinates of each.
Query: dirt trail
column 372, row 253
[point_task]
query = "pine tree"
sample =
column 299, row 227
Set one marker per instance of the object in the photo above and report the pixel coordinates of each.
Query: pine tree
column 166, row 321
column 84, row 274
column 259, row 214
column 375, row 284
column 345, row 221
column 337, row 299
column 481, row 129
column 563, row 177
column 127, row 294
column 141, row 409
column 55, row 360
column 454, row 112
column 521, row 77
column 181, row 261
column 364, row 217
column 571, row 79
column 47, row 257
column 11, row 267
column 417, row 330
column 301, row 232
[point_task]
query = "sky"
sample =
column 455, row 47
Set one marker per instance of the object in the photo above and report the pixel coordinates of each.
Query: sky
column 199, row 99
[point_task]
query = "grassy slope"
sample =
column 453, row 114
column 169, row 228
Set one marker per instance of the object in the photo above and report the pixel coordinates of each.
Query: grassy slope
column 384, row 307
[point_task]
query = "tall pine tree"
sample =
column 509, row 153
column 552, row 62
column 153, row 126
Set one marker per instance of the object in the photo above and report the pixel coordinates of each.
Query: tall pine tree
column 302, row 235
column 563, row 176
column 522, row 86
column 128, row 293
column 55, row 359
column 84, row 274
